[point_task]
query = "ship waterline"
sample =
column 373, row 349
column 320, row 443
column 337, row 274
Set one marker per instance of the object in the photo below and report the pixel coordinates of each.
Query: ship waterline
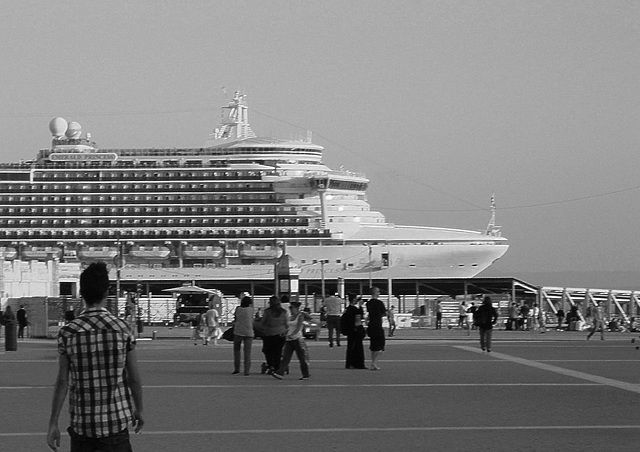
column 232, row 208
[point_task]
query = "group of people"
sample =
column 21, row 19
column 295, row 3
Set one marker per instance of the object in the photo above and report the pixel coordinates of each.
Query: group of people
column 206, row 326
column 9, row 319
column 281, row 333
column 525, row 318
column 282, row 336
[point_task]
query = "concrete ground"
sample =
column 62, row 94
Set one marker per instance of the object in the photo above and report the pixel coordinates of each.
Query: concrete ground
column 436, row 391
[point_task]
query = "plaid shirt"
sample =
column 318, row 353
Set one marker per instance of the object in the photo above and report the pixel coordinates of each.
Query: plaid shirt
column 96, row 343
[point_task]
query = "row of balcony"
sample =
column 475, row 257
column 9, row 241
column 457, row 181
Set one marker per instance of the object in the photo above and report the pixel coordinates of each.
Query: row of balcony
column 155, row 211
column 227, row 187
column 155, row 222
column 139, row 199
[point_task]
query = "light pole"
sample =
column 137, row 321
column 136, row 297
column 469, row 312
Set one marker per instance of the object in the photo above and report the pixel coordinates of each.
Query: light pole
column 368, row 245
column 117, row 260
column 322, row 262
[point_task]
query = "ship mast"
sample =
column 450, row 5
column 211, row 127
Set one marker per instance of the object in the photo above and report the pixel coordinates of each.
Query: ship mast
column 234, row 123
column 492, row 229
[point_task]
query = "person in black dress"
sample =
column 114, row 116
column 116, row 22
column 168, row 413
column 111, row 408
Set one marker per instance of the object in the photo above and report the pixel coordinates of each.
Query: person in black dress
column 22, row 321
column 377, row 311
column 352, row 321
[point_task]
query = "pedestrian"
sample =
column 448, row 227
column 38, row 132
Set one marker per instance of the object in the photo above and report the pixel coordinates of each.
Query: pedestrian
column 560, row 317
column 333, row 309
column 462, row 318
column 526, row 319
column 376, row 311
column 97, row 363
column 9, row 316
column 21, row 316
column 485, row 317
column 294, row 343
column 572, row 318
column 438, row 315
column 470, row 312
column 198, row 325
column 212, row 320
column 512, row 321
column 9, row 322
column 597, row 320
column 391, row 315
column 538, row 319
column 352, row 320
column 462, row 314
column 243, row 334
column 273, row 326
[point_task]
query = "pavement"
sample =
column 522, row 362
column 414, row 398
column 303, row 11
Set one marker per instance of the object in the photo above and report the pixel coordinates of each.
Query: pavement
column 436, row 391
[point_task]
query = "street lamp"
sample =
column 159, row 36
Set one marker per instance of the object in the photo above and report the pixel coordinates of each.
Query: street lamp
column 322, row 262
column 368, row 245
column 117, row 260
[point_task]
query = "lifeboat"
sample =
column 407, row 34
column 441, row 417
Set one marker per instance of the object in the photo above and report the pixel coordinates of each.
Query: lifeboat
column 97, row 253
column 8, row 253
column 150, row 252
column 203, row 252
column 260, row 252
column 41, row 253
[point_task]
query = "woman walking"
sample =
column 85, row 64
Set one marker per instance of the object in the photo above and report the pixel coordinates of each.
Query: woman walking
column 485, row 317
column 354, row 330
column 376, row 311
column 273, row 326
column 243, row 334
column 294, row 343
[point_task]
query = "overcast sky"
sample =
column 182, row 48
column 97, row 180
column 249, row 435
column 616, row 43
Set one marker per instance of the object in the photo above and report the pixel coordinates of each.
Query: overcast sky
column 440, row 103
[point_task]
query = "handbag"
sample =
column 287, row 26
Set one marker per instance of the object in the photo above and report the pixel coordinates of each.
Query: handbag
column 228, row 334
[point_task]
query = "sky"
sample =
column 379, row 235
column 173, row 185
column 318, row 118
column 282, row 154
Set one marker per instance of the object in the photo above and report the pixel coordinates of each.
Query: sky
column 442, row 104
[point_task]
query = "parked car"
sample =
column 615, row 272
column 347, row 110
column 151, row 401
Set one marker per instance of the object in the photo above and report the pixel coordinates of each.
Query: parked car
column 311, row 328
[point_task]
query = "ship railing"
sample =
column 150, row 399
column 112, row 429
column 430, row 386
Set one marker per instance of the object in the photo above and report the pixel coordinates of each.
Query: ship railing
column 342, row 173
column 99, row 235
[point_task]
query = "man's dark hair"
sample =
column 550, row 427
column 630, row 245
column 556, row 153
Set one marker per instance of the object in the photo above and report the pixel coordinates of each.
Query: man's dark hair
column 94, row 283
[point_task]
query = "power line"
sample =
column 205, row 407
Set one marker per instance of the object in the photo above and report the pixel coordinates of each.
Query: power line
column 524, row 206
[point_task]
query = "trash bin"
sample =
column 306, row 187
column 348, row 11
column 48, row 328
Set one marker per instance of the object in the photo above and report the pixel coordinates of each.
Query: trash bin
column 10, row 336
column 140, row 326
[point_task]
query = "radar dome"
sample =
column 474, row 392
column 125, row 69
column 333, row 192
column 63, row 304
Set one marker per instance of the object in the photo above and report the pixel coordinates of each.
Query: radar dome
column 74, row 130
column 58, row 126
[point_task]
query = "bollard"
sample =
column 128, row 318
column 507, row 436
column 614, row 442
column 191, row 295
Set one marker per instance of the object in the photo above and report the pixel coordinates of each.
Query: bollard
column 154, row 335
column 10, row 337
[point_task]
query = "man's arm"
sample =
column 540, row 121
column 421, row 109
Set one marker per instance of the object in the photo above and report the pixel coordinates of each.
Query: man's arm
column 135, row 384
column 59, row 395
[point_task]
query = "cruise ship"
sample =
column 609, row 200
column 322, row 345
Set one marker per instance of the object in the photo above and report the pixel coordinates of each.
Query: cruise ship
column 229, row 210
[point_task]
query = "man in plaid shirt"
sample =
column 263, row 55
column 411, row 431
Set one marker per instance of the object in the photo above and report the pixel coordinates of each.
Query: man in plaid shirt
column 98, row 366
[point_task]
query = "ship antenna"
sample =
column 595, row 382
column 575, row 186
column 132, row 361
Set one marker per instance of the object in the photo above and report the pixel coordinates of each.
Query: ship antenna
column 492, row 229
